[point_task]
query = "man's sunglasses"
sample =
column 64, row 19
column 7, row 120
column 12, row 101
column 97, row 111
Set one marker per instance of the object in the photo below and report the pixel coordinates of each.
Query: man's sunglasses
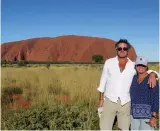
column 141, row 65
column 120, row 48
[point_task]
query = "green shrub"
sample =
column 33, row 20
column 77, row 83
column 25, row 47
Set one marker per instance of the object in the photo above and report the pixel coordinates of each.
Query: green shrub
column 22, row 63
column 5, row 98
column 48, row 65
column 97, row 58
column 55, row 117
column 4, row 63
column 12, row 90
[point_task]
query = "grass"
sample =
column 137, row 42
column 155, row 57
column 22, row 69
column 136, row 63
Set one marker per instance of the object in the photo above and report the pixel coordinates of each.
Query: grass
column 42, row 85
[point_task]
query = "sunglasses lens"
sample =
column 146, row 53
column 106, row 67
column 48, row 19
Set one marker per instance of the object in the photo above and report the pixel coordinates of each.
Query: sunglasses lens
column 119, row 49
column 125, row 49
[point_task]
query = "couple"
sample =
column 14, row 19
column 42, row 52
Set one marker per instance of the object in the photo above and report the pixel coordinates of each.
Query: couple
column 132, row 96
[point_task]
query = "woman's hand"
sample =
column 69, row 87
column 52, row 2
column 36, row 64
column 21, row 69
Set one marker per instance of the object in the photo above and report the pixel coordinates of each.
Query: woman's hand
column 153, row 122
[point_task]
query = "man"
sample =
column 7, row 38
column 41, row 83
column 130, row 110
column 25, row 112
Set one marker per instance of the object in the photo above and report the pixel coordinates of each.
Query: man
column 114, row 88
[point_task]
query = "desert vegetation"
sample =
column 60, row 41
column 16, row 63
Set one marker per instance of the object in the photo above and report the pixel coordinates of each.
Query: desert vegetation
column 56, row 97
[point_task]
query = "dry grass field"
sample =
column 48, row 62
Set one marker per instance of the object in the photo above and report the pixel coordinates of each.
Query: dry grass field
column 61, row 97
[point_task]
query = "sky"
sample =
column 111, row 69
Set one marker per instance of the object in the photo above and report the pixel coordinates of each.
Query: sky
column 135, row 20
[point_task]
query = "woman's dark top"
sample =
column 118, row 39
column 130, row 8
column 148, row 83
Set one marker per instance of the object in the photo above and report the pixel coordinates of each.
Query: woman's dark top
column 144, row 100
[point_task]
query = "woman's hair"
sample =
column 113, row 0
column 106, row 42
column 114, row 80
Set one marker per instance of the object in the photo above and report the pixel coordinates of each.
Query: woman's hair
column 136, row 70
column 147, row 68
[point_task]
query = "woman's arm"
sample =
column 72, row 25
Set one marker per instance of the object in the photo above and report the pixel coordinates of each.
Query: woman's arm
column 155, row 98
column 155, row 105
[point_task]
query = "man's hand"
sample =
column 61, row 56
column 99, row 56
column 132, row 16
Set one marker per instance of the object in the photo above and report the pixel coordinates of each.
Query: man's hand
column 152, row 80
column 100, row 107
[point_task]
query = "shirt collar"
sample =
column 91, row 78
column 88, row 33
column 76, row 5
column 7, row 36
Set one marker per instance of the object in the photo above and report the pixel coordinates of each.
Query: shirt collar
column 118, row 61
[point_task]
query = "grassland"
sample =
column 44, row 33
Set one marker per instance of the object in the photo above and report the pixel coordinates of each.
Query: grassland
column 47, row 90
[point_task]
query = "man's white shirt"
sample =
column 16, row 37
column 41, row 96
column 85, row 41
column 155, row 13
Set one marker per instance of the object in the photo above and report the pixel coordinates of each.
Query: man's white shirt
column 116, row 84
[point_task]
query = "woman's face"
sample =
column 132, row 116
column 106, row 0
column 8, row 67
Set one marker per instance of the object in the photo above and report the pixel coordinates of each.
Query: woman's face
column 141, row 69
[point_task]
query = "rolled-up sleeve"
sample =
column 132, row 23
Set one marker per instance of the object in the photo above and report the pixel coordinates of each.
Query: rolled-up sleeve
column 103, row 79
column 150, row 71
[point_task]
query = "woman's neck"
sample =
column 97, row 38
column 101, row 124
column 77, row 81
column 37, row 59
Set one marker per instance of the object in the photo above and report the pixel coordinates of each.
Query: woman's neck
column 142, row 75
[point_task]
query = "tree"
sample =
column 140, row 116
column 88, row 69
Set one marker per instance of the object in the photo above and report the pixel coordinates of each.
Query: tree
column 4, row 62
column 15, row 58
column 97, row 58
column 48, row 63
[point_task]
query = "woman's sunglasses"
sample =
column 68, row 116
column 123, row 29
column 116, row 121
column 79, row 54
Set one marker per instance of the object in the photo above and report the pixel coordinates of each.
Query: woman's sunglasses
column 120, row 48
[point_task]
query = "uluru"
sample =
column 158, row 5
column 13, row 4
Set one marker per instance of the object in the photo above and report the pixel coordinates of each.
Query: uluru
column 62, row 48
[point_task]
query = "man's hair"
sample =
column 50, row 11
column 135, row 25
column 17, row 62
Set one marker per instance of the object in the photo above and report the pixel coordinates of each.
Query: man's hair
column 123, row 41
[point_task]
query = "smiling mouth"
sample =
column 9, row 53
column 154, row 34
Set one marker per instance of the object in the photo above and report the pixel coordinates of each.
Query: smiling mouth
column 140, row 69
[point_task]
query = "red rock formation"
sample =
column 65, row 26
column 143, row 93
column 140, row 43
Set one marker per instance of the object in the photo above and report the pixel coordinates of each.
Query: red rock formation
column 62, row 48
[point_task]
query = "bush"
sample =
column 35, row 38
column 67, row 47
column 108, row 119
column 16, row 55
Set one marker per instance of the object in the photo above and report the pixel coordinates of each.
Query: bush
column 55, row 117
column 22, row 63
column 12, row 90
column 97, row 58
column 48, row 65
column 5, row 98
column 3, row 63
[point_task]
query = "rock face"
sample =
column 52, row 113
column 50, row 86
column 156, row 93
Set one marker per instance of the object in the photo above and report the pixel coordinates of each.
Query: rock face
column 62, row 48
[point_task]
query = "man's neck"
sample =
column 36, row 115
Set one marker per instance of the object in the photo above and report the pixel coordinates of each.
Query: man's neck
column 122, row 63
column 122, row 60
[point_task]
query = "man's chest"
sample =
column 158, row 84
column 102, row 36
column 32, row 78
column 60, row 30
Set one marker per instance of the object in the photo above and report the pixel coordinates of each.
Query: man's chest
column 117, row 71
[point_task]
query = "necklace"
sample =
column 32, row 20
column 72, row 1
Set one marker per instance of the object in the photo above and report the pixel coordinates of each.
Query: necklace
column 122, row 65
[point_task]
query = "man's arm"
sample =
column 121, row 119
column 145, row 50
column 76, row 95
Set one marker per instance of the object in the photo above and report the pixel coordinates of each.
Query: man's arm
column 102, row 84
column 103, row 79
column 155, row 73
column 152, row 78
column 101, row 99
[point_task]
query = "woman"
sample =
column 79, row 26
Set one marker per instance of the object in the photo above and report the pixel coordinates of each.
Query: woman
column 144, row 100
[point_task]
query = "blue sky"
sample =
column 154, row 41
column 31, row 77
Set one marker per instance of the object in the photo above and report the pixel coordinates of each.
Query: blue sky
column 135, row 20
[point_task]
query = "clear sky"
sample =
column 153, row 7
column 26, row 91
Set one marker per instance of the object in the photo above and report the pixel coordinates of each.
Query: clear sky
column 135, row 20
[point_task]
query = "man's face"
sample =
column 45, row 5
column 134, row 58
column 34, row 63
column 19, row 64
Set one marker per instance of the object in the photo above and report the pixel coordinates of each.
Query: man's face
column 122, row 50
